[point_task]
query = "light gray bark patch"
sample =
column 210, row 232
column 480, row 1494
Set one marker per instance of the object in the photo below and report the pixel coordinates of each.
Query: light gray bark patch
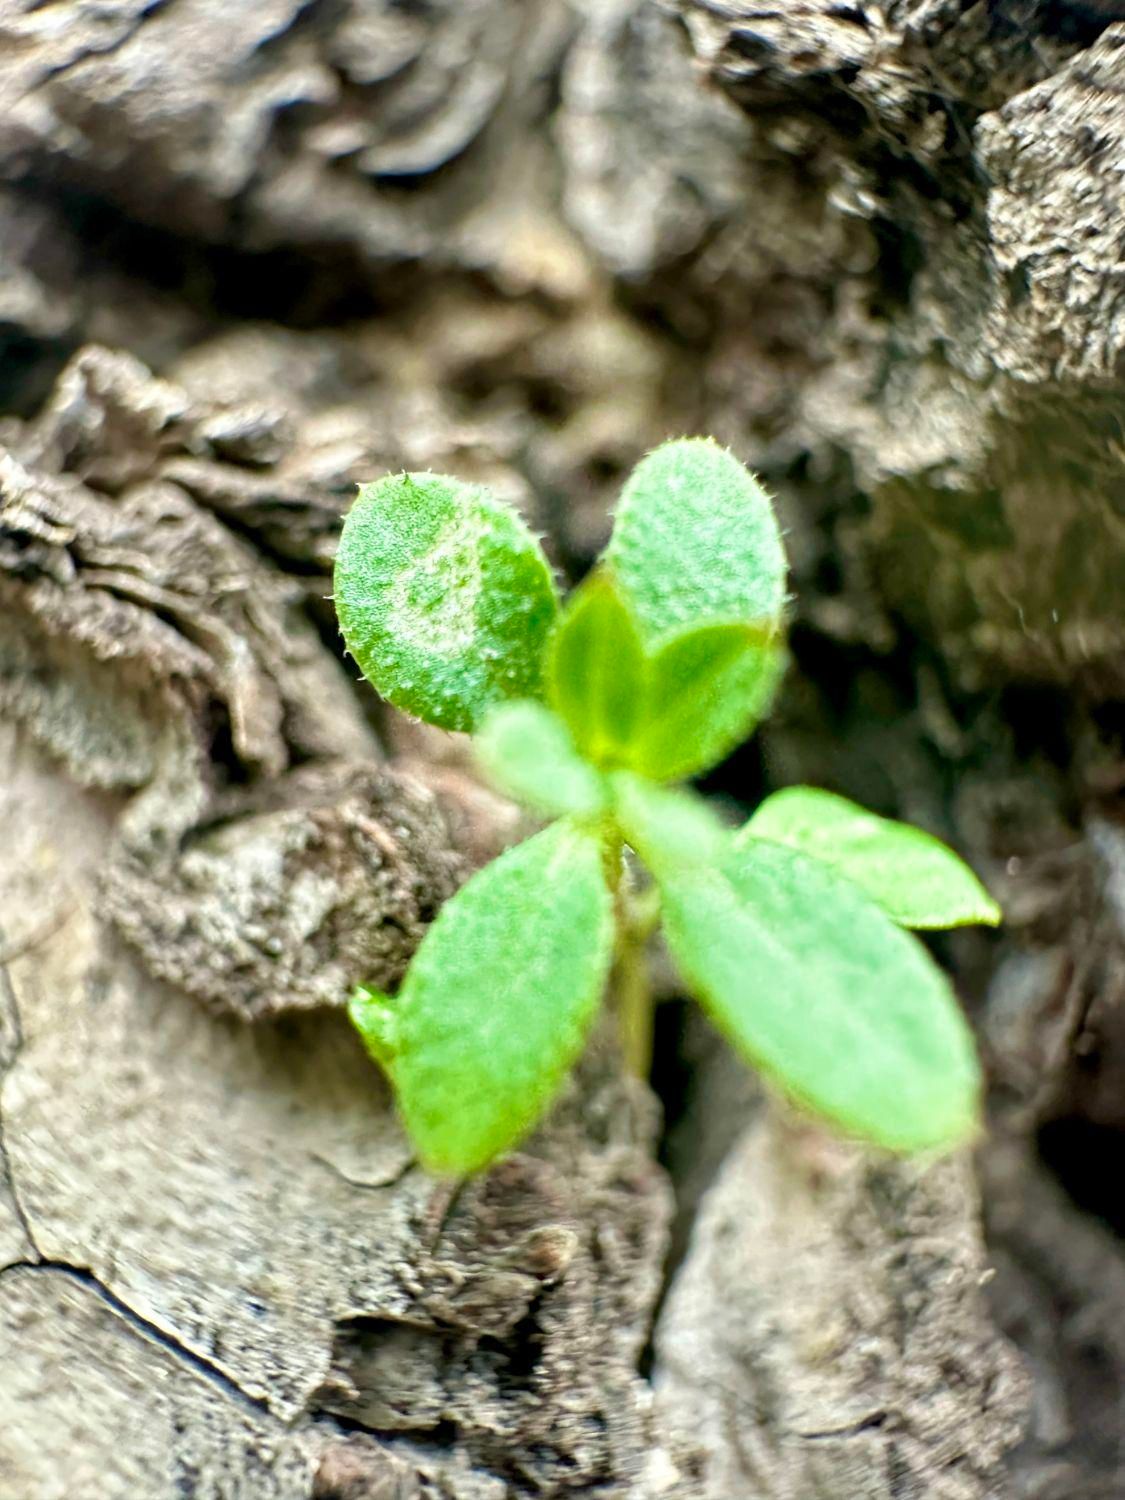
column 827, row 1334
column 287, row 900
column 85, row 1371
column 284, row 123
column 16, row 1241
column 650, row 165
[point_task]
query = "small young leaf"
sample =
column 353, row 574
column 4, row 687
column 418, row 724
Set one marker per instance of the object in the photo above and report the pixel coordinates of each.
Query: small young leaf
column 695, row 541
column 595, row 671
column 706, row 688
column 526, row 750
column 495, row 1008
column 820, row 990
column 444, row 597
column 914, row 877
column 372, row 1013
column 668, row 712
column 671, row 829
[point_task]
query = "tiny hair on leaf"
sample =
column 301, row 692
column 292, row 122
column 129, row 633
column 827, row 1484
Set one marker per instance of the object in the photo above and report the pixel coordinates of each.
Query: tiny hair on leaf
column 706, row 689
column 916, row 878
column 790, row 931
column 669, row 710
column 596, row 671
column 527, row 752
column 695, row 542
column 498, row 1001
column 818, row 988
column 444, row 597
column 669, row 827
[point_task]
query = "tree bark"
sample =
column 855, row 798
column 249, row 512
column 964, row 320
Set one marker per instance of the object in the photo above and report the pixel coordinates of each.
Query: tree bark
column 250, row 255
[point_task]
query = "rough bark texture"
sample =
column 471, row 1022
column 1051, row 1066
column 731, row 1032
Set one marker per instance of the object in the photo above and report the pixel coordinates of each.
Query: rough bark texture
column 221, row 1226
column 250, row 254
column 852, row 1355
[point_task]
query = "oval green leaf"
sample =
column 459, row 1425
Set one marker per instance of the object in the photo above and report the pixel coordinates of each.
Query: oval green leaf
column 498, row 1001
column 668, row 712
column 915, row 878
column 695, row 541
column 820, row 990
column 705, row 690
column 444, row 597
column 527, row 752
column 596, row 671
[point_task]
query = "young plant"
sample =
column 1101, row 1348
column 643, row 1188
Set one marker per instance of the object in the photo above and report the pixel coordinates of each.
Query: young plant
column 790, row 931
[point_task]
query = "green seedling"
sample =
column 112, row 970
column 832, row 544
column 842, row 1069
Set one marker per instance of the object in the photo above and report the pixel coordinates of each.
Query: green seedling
column 791, row 931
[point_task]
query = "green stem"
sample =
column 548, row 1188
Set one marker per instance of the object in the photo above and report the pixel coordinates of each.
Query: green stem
column 637, row 917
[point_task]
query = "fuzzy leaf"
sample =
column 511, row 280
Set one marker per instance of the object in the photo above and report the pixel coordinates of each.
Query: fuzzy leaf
column 818, row 988
column 695, row 541
column 596, row 671
column 705, row 690
column 914, row 877
column 668, row 712
column 496, row 1006
column 527, row 751
column 444, row 597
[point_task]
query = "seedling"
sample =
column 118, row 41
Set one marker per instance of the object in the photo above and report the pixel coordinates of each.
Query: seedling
column 790, row 931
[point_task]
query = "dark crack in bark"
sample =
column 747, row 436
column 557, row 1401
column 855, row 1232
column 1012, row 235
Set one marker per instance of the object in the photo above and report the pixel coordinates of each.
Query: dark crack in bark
column 143, row 1328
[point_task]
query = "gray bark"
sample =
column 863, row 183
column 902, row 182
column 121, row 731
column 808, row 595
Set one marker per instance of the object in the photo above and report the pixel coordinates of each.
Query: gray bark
column 250, row 255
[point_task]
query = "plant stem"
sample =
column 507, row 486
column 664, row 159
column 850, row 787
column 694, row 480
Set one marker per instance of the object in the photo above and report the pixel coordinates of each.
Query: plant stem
column 634, row 1007
column 637, row 916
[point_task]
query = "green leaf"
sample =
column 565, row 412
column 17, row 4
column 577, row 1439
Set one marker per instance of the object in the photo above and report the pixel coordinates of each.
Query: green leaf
column 497, row 1003
column 596, row 671
column 527, row 751
column 695, row 541
column 822, row 992
column 372, row 1013
column 444, row 597
column 705, row 690
column 914, row 877
column 670, row 828
column 669, row 712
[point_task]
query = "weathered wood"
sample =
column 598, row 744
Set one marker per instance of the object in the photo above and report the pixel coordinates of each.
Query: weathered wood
column 875, row 247
column 220, row 1258
column 827, row 1333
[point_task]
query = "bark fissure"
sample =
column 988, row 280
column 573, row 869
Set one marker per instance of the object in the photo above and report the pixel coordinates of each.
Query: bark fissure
column 145, row 1329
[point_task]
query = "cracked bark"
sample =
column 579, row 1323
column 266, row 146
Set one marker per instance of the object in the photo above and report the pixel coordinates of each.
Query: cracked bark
column 253, row 255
